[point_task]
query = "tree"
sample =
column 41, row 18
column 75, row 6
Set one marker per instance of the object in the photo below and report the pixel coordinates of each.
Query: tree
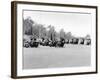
column 35, row 30
column 42, row 32
column 87, row 36
column 62, row 34
column 27, row 26
column 51, row 32
column 69, row 35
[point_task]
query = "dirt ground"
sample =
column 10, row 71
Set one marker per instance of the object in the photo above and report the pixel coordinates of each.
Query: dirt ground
column 47, row 57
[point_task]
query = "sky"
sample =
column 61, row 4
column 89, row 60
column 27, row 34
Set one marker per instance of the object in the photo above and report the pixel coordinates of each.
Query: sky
column 79, row 24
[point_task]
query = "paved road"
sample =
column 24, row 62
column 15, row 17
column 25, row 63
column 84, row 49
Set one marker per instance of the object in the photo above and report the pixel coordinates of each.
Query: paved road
column 46, row 57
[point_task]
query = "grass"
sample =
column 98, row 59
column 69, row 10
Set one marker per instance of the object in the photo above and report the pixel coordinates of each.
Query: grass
column 46, row 57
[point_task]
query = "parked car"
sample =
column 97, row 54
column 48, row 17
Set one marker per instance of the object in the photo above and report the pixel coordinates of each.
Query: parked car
column 34, row 43
column 26, row 44
column 26, row 41
column 88, row 41
column 75, row 41
column 61, row 43
column 67, row 41
column 70, row 41
column 81, row 41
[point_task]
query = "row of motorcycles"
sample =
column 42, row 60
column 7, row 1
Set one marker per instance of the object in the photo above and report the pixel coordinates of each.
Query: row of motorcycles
column 53, row 43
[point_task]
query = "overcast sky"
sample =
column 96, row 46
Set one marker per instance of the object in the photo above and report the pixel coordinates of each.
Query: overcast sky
column 79, row 24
